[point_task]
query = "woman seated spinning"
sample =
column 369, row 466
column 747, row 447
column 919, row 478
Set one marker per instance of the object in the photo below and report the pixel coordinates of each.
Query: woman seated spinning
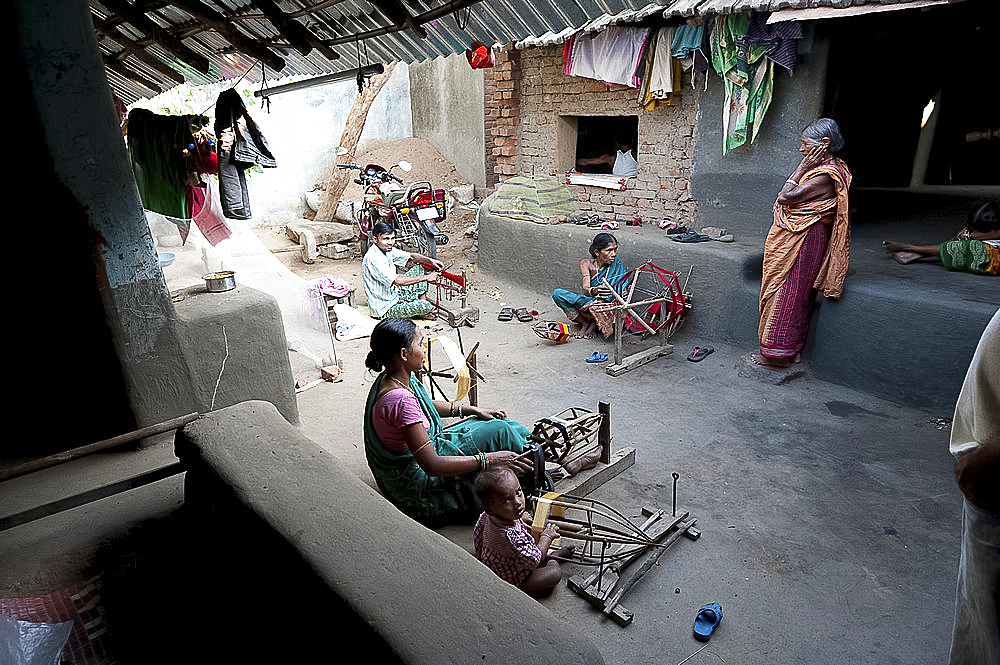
column 584, row 308
column 423, row 468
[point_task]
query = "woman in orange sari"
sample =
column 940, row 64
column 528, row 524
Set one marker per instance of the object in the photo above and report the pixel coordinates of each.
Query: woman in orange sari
column 808, row 246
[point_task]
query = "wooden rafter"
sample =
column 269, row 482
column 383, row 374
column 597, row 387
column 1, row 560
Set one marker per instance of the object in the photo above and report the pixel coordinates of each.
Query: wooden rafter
column 212, row 19
column 163, row 38
column 134, row 49
column 298, row 35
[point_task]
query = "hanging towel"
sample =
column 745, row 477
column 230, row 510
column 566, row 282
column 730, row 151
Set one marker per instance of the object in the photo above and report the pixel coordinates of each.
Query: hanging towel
column 156, row 151
column 208, row 215
column 747, row 76
column 661, row 71
column 611, row 56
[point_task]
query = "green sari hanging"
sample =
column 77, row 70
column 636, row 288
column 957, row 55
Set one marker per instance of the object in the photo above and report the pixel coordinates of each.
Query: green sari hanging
column 436, row 500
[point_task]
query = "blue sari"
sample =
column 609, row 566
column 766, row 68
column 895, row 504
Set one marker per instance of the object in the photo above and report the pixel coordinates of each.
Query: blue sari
column 568, row 300
column 436, row 500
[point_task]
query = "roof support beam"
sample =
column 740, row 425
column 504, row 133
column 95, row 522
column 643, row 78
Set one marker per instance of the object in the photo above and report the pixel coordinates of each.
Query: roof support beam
column 216, row 21
column 396, row 12
column 136, row 50
column 162, row 37
column 297, row 34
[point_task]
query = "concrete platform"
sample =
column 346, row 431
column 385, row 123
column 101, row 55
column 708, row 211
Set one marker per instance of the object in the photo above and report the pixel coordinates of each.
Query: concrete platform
column 904, row 333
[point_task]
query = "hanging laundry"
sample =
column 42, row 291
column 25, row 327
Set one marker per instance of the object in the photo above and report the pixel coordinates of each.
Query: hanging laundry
column 781, row 40
column 659, row 71
column 688, row 48
column 611, row 56
column 156, row 146
column 747, row 76
column 241, row 146
column 208, row 215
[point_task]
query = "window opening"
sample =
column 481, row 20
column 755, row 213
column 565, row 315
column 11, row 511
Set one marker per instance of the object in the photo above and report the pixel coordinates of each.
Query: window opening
column 598, row 139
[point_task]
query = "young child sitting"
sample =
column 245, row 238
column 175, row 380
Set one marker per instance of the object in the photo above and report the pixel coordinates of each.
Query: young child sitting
column 503, row 539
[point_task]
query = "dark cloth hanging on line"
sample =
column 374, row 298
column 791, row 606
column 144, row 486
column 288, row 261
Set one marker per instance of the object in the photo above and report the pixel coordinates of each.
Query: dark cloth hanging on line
column 156, row 151
column 780, row 39
column 241, row 146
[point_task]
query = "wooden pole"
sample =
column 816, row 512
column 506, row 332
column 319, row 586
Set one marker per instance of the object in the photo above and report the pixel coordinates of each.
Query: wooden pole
column 604, row 432
column 100, row 446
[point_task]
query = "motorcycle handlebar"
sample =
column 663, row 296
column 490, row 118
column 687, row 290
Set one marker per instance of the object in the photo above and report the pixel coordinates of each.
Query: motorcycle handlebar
column 359, row 181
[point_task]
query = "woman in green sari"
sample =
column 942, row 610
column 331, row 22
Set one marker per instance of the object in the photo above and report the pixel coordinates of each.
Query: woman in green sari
column 425, row 469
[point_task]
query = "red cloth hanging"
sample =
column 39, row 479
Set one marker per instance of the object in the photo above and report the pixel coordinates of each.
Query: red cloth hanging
column 480, row 56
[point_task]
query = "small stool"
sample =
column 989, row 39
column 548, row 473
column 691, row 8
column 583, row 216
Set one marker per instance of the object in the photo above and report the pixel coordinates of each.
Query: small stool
column 337, row 300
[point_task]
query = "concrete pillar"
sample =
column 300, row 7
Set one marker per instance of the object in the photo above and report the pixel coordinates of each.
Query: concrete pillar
column 81, row 140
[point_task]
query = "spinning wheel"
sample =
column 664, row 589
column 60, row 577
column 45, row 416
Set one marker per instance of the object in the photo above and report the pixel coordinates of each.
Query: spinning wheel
column 654, row 299
column 649, row 300
column 573, row 428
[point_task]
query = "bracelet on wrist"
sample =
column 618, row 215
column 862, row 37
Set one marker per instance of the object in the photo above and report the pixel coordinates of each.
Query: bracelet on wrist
column 792, row 182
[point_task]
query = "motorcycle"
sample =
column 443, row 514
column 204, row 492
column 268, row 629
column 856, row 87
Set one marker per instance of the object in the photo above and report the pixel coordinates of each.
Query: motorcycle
column 413, row 210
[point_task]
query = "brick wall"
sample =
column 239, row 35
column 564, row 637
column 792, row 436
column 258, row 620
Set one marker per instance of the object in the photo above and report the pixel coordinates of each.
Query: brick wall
column 530, row 110
column 502, row 96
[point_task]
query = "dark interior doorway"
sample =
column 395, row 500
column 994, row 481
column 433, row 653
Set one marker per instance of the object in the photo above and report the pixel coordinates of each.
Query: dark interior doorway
column 601, row 135
column 885, row 68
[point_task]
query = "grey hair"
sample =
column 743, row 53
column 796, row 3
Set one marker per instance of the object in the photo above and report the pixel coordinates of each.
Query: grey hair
column 825, row 128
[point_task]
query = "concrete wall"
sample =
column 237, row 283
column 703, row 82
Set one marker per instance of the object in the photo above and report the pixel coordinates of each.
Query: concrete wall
column 446, row 100
column 234, row 349
column 737, row 190
column 294, row 529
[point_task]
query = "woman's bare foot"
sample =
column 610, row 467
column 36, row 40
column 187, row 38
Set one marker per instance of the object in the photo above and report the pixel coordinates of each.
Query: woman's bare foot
column 900, row 251
column 587, row 330
column 763, row 361
column 573, row 316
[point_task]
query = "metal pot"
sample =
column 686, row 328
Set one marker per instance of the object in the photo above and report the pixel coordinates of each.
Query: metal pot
column 224, row 280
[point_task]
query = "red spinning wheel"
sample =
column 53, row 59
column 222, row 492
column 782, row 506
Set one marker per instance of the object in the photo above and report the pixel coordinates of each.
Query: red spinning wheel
column 655, row 299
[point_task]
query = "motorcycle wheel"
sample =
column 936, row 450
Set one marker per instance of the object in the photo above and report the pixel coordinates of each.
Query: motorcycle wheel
column 427, row 243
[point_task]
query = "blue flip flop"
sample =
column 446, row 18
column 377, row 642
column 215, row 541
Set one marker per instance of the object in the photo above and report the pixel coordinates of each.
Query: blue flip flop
column 596, row 357
column 708, row 618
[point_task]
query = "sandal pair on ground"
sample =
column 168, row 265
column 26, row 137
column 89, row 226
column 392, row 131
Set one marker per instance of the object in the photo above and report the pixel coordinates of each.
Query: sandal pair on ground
column 508, row 313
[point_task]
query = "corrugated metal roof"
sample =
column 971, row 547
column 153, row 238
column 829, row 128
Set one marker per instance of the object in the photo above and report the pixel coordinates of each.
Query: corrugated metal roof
column 205, row 41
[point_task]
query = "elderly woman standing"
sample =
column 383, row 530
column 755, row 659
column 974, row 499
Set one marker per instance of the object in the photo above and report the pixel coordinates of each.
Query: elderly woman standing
column 808, row 246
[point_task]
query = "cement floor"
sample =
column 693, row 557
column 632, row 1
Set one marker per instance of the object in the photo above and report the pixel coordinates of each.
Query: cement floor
column 829, row 519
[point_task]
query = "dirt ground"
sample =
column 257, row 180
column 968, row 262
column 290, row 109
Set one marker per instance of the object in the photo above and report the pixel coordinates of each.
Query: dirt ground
column 428, row 164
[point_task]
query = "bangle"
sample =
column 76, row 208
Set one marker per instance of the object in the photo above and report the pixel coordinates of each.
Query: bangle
column 459, row 410
column 451, row 411
column 794, row 184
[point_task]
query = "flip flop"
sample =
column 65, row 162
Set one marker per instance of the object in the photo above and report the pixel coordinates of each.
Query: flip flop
column 596, row 357
column 677, row 230
column 523, row 315
column 708, row 618
column 699, row 353
column 506, row 314
column 691, row 236
column 609, row 226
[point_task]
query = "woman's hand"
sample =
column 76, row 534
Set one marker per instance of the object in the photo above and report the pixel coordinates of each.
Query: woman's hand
column 486, row 414
column 814, row 155
column 509, row 458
